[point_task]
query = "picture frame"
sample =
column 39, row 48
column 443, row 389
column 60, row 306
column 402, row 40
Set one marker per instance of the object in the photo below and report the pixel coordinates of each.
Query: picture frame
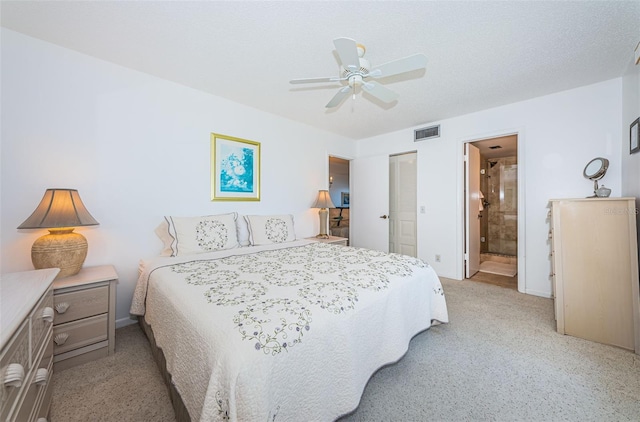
column 344, row 199
column 634, row 136
column 235, row 169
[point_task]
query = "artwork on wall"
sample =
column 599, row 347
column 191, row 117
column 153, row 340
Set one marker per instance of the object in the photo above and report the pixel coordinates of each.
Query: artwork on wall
column 235, row 169
column 344, row 199
column 634, row 136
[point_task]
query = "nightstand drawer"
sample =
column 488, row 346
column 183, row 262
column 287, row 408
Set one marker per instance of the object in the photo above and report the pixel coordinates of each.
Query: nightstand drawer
column 81, row 304
column 76, row 334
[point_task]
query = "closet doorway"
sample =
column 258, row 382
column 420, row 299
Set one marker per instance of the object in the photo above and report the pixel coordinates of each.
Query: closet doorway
column 491, row 211
column 339, row 221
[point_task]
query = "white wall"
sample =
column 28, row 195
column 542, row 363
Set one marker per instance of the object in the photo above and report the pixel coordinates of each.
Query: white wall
column 558, row 135
column 137, row 148
column 630, row 112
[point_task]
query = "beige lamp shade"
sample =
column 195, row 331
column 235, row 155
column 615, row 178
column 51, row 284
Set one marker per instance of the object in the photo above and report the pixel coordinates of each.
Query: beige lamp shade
column 60, row 210
column 323, row 202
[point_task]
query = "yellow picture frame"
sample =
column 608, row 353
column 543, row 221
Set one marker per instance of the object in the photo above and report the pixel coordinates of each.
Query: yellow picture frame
column 235, row 169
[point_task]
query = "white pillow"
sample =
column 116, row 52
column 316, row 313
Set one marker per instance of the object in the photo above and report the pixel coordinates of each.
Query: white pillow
column 162, row 231
column 268, row 229
column 243, row 232
column 193, row 235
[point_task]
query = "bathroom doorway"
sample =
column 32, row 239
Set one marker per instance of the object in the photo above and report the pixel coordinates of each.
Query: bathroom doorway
column 497, row 213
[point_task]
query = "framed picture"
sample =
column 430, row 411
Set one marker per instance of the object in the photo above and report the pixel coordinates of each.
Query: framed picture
column 634, row 136
column 235, row 169
column 344, row 199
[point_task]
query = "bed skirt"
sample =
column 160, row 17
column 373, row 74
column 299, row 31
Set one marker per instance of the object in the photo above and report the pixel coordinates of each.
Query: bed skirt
column 182, row 415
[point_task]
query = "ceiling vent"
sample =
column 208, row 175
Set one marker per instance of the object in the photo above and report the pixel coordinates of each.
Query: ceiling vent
column 426, row 133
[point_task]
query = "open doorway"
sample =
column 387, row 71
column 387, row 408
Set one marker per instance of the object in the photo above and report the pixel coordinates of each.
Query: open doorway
column 491, row 195
column 339, row 221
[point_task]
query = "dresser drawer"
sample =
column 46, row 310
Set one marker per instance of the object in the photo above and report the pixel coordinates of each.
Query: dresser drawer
column 17, row 352
column 39, row 383
column 81, row 304
column 76, row 334
column 41, row 321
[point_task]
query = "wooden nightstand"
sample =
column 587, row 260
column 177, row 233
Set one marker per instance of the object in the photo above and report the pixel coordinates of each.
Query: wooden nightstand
column 335, row 240
column 84, row 323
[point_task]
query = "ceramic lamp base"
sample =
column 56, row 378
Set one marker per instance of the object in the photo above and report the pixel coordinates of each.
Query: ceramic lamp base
column 61, row 248
column 324, row 219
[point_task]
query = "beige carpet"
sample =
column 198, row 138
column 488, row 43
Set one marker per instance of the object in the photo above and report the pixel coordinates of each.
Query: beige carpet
column 499, row 359
column 500, row 268
column 123, row 387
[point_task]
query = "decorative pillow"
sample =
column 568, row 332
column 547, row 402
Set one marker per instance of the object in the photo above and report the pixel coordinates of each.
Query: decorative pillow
column 268, row 229
column 193, row 235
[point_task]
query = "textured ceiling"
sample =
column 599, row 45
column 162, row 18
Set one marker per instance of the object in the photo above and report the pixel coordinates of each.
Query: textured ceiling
column 481, row 54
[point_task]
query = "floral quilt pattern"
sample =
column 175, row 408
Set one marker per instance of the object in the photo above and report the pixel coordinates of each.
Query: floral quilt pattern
column 325, row 278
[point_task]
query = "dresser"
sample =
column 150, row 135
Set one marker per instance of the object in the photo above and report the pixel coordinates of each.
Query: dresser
column 595, row 270
column 84, row 323
column 26, row 317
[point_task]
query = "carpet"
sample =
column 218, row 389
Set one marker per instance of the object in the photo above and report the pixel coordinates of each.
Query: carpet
column 499, row 359
column 499, row 268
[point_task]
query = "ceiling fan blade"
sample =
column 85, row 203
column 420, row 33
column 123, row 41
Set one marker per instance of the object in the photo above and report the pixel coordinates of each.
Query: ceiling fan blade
column 340, row 95
column 314, row 80
column 348, row 52
column 380, row 92
column 407, row 64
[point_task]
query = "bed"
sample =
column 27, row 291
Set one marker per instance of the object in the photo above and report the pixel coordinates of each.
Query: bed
column 282, row 331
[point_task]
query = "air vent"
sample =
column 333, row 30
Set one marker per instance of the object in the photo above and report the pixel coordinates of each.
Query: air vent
column 426, row 133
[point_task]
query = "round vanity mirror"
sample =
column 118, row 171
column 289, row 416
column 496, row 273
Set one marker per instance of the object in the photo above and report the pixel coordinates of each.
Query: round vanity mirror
column 595, row 170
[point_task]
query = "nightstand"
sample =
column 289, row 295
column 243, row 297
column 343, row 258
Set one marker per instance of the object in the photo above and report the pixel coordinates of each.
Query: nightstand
column 335, row 240
column 84, row 322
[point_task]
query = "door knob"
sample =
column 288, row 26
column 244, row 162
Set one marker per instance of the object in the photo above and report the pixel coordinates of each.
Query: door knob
column 384, row 217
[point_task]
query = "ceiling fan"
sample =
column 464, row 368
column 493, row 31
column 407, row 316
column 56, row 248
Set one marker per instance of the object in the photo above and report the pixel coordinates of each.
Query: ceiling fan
column 357, row 71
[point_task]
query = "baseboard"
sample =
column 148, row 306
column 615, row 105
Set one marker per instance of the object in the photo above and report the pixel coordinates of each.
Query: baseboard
column 123, row 322
column 538, row 293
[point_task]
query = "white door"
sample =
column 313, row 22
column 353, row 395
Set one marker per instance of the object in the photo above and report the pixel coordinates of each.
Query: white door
column 369, row 207
column 472, row 209
column 402, row 204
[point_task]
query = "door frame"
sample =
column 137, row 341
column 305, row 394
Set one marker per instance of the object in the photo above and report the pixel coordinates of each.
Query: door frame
column 521, row 200
column 472, row 260
column 350, row 159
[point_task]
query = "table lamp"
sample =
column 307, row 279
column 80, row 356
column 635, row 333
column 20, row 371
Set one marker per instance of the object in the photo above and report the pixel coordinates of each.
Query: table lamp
column 323, row 202
column 59, row 211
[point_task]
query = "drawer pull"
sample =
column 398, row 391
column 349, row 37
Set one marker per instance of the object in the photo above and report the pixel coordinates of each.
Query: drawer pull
column 62, row 307
column 42, row 374
column 14, row 375
column 61, row 338
column 47, row 314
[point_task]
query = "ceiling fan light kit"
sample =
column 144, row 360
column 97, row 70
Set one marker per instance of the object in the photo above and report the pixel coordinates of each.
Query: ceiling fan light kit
column 356, row 70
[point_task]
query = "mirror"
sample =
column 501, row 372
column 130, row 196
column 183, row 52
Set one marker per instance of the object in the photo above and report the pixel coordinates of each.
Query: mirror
column 595, row 170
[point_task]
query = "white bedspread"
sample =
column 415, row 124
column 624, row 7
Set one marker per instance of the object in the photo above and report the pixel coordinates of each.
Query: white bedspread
column 286, row 332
